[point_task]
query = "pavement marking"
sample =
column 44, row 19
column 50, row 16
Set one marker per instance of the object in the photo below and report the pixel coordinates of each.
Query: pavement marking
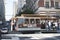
column 33, row 36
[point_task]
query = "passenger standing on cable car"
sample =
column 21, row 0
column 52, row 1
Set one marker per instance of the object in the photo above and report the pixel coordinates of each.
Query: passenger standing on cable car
column 49, row 25
column 46, row 25
column 56, row 25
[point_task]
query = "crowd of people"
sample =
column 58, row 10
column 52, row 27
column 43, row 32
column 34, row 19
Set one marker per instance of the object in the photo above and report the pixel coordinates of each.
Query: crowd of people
column 50, row 25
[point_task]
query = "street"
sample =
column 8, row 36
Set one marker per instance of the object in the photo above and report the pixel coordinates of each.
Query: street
column 29, row 19
column 53, row 36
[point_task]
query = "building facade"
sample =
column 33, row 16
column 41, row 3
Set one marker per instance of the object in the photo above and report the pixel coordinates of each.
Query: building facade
column 49, row 7
column 15, row 8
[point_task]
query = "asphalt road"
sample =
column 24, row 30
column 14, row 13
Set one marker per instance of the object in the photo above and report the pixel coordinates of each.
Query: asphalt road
column 31, row 37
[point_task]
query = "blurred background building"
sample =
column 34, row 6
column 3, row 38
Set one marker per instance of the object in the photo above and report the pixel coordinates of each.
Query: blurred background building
column 49, row 7
column 2, row 13
column 2, row 10
column 15, row 7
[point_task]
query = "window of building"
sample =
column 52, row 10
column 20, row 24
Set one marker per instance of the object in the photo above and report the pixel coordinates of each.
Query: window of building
column 56, row 4
column 41, row 3
column 52, row 3
column 47, row 4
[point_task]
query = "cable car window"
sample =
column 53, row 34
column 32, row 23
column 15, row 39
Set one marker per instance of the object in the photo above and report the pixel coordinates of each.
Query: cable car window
column 26, row 21
column 32, row 21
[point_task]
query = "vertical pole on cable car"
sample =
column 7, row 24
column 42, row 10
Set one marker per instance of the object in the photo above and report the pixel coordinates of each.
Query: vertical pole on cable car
column 12, row 25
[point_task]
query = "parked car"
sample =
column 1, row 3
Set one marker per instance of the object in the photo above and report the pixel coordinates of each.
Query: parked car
column 4, row 30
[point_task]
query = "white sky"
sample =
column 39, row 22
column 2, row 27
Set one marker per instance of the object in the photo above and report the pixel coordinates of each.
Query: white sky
column 9, row 9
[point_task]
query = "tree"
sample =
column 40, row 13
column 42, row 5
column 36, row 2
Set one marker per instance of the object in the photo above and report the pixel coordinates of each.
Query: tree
column 26, row 11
